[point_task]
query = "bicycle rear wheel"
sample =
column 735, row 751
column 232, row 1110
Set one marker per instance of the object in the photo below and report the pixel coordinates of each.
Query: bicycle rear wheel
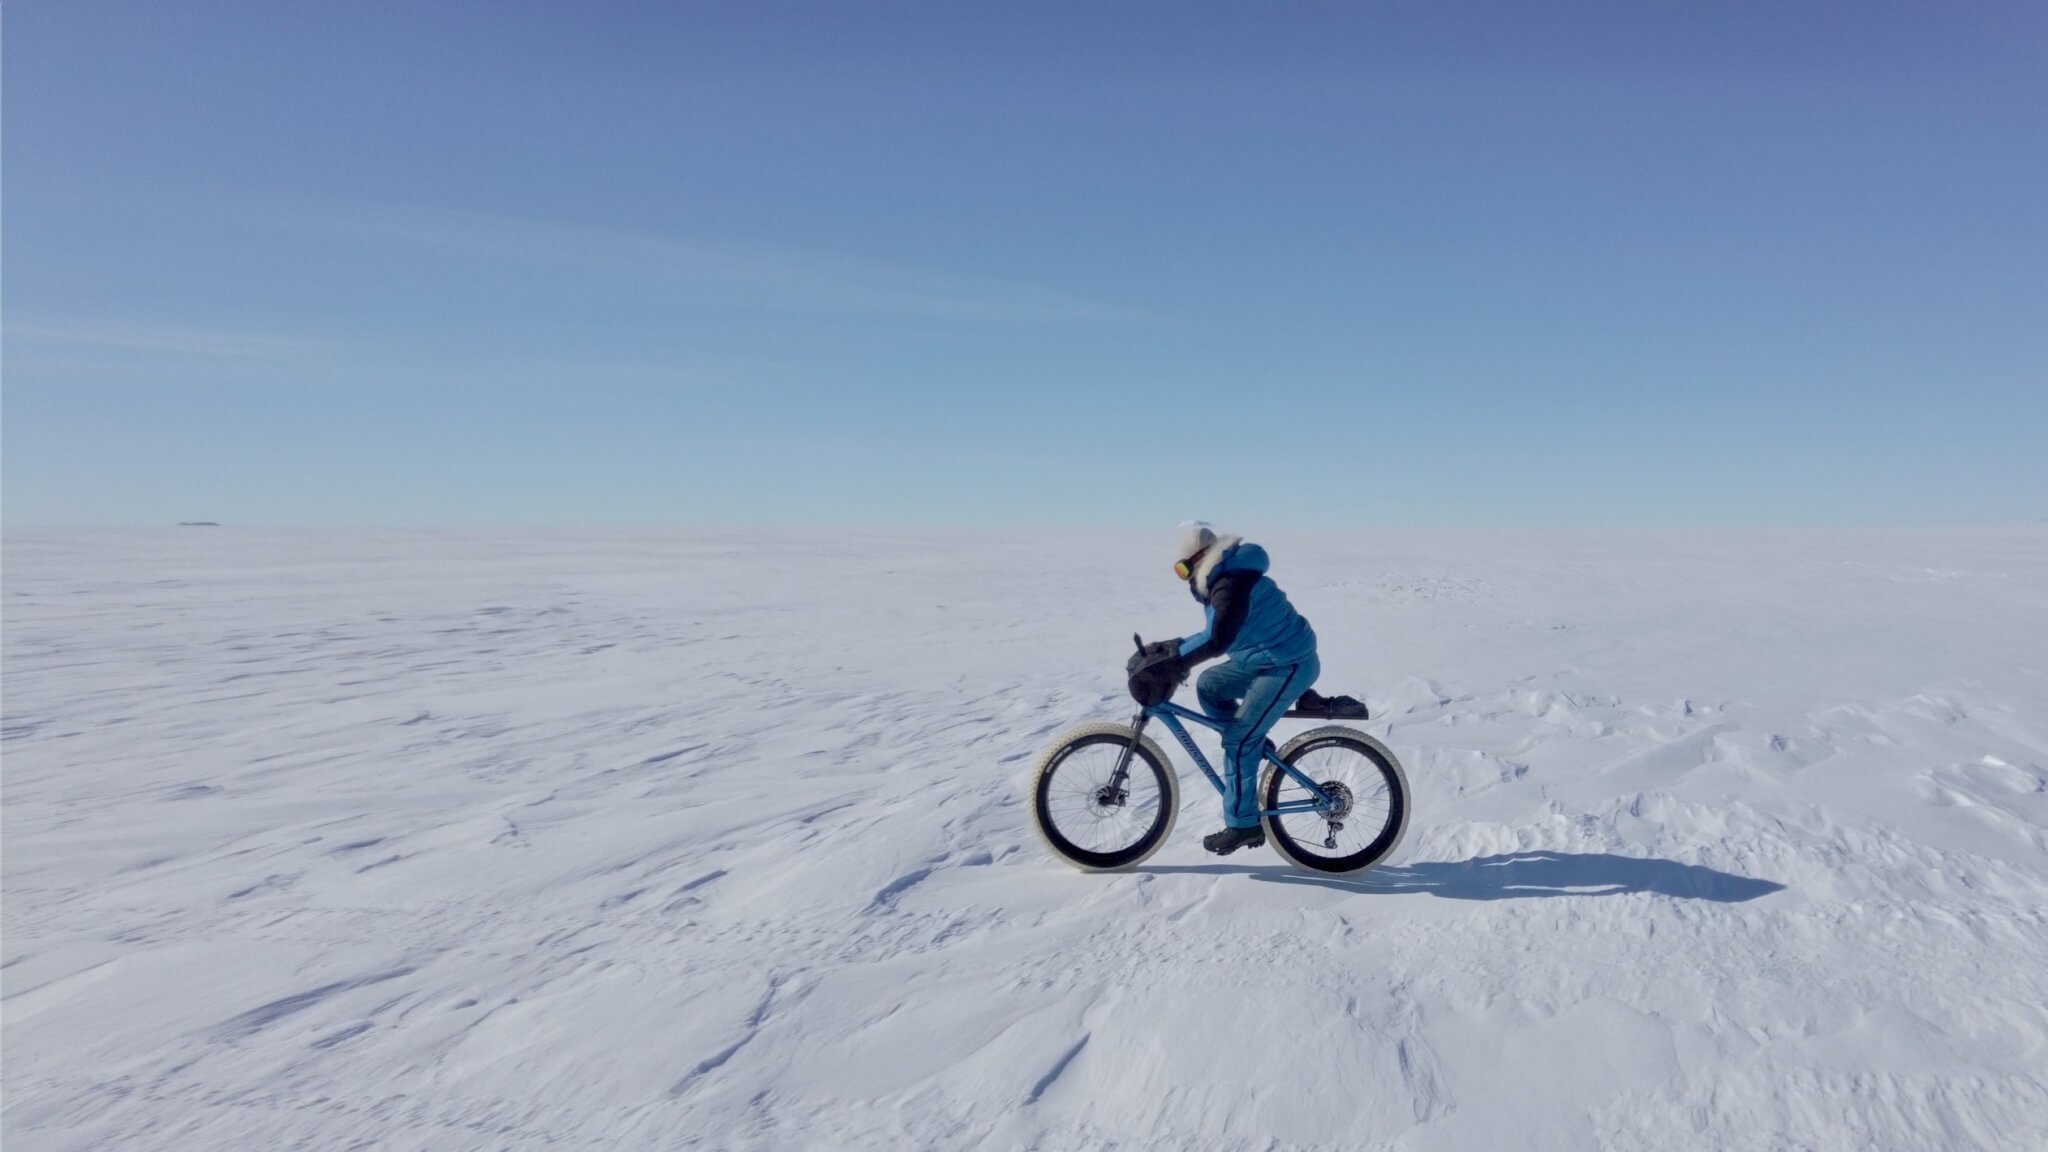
column 1372, row 801
column 1083, row 819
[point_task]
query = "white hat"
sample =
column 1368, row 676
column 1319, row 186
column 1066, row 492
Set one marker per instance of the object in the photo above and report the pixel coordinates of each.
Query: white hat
column 1195, row 535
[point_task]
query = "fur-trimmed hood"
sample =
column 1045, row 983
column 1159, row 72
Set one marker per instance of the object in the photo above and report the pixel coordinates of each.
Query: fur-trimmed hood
column 1227, row 554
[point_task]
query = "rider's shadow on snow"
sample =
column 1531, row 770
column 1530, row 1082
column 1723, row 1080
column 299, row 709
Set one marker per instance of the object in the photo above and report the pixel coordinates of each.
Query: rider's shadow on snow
column 1527, row 874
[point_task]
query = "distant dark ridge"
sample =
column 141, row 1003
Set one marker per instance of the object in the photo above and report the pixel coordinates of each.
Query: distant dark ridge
column 198, row 523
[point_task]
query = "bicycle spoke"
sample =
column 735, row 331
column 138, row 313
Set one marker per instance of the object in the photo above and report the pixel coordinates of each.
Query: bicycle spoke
column 1072, row 800
column 1371, row 807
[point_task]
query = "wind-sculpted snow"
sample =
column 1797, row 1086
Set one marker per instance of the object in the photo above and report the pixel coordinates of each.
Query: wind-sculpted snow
column 721, row 841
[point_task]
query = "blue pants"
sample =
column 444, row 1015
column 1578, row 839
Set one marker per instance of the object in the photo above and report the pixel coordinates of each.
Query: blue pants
column 1251, row 700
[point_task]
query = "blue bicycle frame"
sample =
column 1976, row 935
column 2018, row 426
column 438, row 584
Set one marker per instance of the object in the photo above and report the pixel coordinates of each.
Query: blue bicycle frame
column 1171, row 715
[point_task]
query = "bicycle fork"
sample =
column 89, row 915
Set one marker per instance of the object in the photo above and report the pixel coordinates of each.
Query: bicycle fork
column 1114, row 794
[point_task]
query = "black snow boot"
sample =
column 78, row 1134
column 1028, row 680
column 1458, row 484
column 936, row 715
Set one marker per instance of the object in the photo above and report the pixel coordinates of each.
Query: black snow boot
column 1231, row 839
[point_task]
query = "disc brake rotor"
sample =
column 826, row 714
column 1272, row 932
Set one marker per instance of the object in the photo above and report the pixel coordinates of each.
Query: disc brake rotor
column 1106, row 801
column 1340, row 799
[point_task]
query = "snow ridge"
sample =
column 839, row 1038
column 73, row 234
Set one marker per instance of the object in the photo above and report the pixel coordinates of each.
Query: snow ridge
column 649, row 841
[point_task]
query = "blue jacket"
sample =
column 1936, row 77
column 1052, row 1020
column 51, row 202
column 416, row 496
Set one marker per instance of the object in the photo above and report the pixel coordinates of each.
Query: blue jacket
column 1250, row 619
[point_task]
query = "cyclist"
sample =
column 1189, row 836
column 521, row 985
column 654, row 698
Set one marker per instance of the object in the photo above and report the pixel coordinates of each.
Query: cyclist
column 1272, row 661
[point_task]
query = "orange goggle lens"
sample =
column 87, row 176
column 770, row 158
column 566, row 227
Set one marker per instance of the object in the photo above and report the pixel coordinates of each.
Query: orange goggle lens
column 1181, row 569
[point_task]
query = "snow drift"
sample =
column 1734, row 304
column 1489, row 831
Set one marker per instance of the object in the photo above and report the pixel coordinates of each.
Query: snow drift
column 662, row 841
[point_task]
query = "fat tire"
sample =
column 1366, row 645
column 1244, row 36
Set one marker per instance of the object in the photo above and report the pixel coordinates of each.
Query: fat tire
column 1390, row 768
column 1146, row 756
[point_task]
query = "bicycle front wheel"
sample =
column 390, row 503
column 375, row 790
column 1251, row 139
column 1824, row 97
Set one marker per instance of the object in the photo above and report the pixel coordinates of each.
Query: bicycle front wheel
column 1368, row 787
column 1086, row 817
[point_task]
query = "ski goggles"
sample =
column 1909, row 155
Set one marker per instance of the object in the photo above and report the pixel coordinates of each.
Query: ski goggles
column 1185, row 569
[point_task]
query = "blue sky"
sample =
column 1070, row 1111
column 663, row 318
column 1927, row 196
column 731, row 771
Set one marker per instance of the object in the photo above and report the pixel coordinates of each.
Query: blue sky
column 1350, row 264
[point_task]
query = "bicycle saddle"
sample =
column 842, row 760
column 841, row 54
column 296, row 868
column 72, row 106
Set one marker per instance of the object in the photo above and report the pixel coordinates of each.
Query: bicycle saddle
column 1313, row 705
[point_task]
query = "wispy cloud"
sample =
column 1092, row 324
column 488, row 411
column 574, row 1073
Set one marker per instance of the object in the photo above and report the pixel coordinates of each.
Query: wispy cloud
column 800, row 281
column 45, row 348
column 155, row 338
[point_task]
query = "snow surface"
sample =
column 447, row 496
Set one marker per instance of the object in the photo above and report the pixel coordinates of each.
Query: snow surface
column 668, row 841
